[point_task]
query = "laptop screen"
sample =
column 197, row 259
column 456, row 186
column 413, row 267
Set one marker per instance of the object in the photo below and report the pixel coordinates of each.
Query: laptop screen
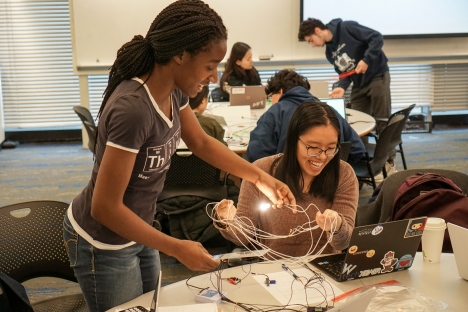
column 155, row 300
column 337, row 104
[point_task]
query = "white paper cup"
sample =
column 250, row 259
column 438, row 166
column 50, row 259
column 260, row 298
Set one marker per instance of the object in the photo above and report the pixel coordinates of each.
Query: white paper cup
column 432, row 239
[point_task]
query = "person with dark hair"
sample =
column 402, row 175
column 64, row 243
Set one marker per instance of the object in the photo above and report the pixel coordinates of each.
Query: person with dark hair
column 311, row 167
column 210, row 125
column 239, row 70
column 351, row 46
column 113, row 249
column 288, row 90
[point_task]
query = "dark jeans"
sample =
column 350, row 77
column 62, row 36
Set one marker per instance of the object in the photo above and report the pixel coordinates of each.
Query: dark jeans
column 374, row 99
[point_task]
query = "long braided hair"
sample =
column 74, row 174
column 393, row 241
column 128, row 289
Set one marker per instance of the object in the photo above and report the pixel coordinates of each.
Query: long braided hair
column 184, row 25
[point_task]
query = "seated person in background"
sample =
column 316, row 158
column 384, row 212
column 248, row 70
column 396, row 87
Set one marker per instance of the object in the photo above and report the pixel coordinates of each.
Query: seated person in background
column 312, row 169
column 210, row 125
column 239, row 70
column 288, row 90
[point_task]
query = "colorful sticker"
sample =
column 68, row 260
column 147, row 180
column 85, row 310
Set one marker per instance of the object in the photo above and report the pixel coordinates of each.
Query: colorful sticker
column 388, row 262
column 404, row 262
column 377, row 230
column 415, row 227
column 370, row 253
column 352, row 249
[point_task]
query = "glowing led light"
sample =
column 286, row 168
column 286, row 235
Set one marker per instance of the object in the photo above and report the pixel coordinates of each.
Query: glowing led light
column 264, row 206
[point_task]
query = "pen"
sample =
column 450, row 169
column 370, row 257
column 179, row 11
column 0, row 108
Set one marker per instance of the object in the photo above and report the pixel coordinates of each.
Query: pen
column 289, row 271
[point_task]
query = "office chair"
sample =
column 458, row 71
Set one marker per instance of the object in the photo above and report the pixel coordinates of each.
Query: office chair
column 190, row 185
column 32, row 246
column 366, row 169
column 345, row 148
column 91, row 130
column 396, row 139
column 88, row 123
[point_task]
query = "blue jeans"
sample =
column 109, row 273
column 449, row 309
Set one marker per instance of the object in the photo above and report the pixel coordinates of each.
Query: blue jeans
column 108, row 278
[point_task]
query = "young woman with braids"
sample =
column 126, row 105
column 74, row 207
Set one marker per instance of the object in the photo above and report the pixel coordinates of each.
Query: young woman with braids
column 239, row 70
column 112, row 246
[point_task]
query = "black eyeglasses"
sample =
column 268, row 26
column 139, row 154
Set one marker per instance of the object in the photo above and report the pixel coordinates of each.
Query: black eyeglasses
column 316, row 151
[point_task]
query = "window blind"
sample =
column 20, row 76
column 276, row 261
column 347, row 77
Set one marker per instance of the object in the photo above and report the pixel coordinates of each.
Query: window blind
column 450, row 87
column 39, row 87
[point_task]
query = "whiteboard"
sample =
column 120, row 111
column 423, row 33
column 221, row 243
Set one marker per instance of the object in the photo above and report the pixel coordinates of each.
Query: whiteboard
column 270, row 27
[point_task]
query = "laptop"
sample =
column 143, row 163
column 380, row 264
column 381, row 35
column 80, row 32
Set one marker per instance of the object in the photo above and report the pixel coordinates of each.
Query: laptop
column 375, row 249
column 154, row 300
column 319, row 89
column 338, row 104
column 458, row 238
column 254, row 96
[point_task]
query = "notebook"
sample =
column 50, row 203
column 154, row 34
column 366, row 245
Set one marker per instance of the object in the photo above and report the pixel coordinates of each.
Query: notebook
column 375, row 249
column 458, row 238
column 338, row 104
column 254, row 96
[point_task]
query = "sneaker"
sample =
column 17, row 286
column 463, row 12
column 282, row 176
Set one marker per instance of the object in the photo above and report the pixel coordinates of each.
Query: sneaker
column 390, row 170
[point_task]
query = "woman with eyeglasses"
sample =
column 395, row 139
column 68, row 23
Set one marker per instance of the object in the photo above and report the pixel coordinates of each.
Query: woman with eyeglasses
column 311, row 167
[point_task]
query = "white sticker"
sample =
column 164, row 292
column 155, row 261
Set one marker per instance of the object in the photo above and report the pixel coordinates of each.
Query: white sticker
column 237, row 90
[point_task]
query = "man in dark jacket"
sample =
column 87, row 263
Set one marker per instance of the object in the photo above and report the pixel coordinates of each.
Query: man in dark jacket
column 288, row 90
column 350, row 46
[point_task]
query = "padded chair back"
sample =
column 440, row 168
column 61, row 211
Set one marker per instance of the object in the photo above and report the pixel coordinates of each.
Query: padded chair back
column 92, row 133
column 345, row 148
column 396, row 140
column 84, row 114
column 190, row 175
column 381, row 209
column 31, row 241
column 383, row 145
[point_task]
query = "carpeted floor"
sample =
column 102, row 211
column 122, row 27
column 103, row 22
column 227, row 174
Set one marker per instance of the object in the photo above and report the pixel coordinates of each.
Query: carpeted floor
column 58, row 171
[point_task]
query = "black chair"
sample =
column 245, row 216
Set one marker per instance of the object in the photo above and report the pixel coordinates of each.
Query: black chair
column 190, row 185
column 91, row 130
column 32, row 246
column 345, row 148
column 190, row 175
column 397, row 140
column 88, row 123
column 377, row 154
column 381, row 209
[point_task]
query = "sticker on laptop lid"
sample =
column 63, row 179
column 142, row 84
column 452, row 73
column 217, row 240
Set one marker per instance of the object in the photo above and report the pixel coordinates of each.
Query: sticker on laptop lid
column 404, row 262
column 388, row 262
column 237, row 90
column 415, row 227
column 377, row 230
column 352, row 249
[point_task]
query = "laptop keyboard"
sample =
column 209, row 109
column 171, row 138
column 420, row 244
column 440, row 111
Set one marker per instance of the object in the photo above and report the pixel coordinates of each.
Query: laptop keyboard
column 135, row 309
column 335, row 268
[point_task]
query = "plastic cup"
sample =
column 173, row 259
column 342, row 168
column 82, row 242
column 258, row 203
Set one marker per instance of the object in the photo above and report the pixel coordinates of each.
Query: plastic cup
column 433, row 239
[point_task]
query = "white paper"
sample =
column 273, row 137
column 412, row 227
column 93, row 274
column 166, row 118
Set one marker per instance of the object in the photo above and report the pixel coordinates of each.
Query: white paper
column 314, row 293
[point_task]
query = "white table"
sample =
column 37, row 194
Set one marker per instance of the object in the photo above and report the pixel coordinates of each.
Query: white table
column 438, row 281
column 240, row 125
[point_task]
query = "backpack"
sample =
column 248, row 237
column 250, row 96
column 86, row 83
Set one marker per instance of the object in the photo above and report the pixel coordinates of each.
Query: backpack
column 431, row 195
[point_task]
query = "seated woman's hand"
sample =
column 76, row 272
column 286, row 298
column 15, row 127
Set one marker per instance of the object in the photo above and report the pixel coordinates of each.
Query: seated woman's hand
column 329, row 220
column 226, row 210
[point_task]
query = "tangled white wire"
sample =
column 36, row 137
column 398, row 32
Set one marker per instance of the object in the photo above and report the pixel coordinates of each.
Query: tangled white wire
column 242, row 226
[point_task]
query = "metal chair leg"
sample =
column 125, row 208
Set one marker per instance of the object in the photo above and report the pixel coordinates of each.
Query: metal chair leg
column 402, row 156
